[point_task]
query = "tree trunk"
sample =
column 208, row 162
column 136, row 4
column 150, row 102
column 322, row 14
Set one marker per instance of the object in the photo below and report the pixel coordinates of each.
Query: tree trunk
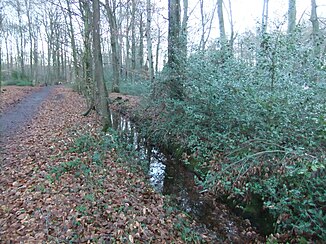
column 133, row 40
column 157, row 50
column 141, row 45
column 73, row 46
column 264, row 17
column 88, row 86
column 31, row 40
column 223, row 40
column 233, row 36
column 315, row 29
column 221, row 21
column 292, row 11
column 184, row 31
column 22, row 39
column 114, row 47
column 175, row 81
column 204, row 21
column 149, row 41
column 103, row 104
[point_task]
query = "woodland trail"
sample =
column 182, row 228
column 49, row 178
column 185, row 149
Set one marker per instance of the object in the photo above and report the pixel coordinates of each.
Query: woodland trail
column 17, row 116
column 57, row 186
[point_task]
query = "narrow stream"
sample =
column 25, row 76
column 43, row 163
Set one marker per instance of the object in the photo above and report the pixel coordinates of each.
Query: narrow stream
column 170, row 177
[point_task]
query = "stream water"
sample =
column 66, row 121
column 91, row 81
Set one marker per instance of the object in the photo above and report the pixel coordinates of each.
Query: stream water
column 170, row 177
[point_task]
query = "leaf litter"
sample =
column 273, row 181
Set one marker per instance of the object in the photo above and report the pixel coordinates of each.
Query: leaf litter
column 52, row 192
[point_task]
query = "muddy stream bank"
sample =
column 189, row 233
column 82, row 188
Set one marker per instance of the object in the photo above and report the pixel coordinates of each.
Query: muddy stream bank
column 171, row 177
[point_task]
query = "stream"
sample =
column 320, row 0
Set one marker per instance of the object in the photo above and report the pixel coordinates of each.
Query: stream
column 170, row 177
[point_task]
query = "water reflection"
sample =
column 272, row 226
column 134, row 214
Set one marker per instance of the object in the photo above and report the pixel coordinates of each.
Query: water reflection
column 171, row 177
column 155, row 159
column 166, row 175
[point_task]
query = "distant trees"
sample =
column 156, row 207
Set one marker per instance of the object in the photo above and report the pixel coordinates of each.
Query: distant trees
column 53, row 41
column 116, row 65
column 206, row 24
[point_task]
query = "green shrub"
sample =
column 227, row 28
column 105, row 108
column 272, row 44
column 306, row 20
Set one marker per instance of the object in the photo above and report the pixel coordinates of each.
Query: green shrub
column 258, row 128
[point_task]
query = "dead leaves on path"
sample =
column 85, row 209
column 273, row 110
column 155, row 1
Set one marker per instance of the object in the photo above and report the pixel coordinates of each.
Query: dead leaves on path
column 51, row 191
column 11, row 95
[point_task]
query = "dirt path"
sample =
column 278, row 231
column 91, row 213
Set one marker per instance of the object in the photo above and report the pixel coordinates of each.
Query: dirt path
column 18, row 116
column 12, row 95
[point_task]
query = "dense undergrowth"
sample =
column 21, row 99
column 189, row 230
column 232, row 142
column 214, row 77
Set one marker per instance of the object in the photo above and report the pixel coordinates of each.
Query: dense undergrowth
column 256, row 130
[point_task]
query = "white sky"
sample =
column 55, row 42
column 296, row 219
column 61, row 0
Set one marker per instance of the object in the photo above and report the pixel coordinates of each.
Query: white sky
column 246, row 16
column 247, row 13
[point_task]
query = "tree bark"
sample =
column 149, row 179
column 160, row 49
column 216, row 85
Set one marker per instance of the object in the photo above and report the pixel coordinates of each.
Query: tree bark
column 204, row 21
column 87, row 87
column 157, row 50
column 264, row 21
column 149, row 41
column 292, row 11
column 175, row 80
column 133, row 40
column 315, row 28
column 103, row 104
column 114, row 47
column 141, row 45
column 233, row 36
column 73, row 46
column 221, row 21
column 184, row 31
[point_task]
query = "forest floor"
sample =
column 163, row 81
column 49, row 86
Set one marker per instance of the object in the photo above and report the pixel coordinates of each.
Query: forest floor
column 55, row 187
column 12, row 95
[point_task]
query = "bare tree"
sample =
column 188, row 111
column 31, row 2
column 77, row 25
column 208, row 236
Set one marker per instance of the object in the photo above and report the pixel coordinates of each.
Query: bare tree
column 292, row 11
column 141, row 44
column 233, row 36
column 264, row 20
column 133, row 39
column 31, row 35
column 102, row 94
column 87, row 86
column 149, row 41
column 315, row 28
column 175, row 58
column 71, row 33
column 114, row 47
column 221, row 21
column 184, row 30
column 205, row 19
column 21, row 36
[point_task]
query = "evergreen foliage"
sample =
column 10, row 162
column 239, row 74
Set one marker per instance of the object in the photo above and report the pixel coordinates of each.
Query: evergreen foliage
column 255, row 125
